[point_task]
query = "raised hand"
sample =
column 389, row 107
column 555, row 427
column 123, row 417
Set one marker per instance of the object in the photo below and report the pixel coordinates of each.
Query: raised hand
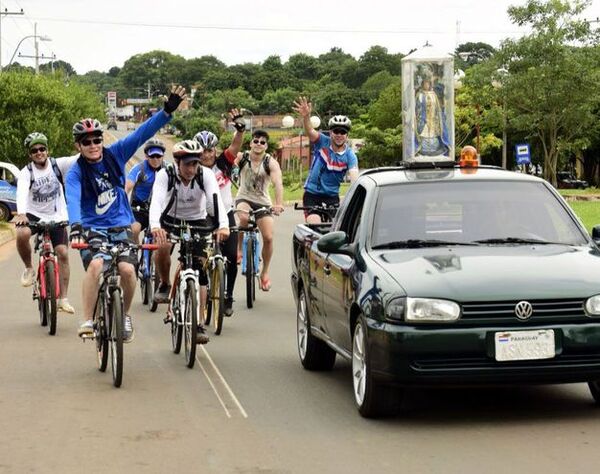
column 236, row 117
column 176, row 97
column 302, row 106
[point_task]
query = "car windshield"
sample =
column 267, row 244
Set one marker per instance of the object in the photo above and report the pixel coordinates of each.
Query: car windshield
column 471, row 212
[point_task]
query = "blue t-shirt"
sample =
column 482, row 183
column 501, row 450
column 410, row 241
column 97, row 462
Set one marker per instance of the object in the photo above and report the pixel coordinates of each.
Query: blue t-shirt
column 142, row 188
column 110, row 207
column 328, row 168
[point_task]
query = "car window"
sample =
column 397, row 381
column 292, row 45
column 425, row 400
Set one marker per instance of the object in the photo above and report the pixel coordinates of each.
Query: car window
column 463, row 212
column 353, row 212
column 6, row 175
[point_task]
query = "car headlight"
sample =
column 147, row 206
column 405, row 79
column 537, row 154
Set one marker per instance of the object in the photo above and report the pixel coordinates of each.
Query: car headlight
column 592, row 306
column 428, row 310
column 395, row 308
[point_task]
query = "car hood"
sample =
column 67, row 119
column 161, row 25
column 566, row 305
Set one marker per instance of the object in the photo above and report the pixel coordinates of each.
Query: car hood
column 494, row 273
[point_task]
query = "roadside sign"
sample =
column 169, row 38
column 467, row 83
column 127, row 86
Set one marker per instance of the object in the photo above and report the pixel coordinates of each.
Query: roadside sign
column 522, row 153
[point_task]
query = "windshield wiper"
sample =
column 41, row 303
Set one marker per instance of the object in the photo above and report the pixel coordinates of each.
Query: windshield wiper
column 517, row 240
column 416, row 243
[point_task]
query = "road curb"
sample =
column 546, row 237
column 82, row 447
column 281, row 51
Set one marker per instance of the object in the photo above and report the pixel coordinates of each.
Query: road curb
column 7, row 234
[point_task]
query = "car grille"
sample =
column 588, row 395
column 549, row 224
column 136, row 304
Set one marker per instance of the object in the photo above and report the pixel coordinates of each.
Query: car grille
column 544, row 311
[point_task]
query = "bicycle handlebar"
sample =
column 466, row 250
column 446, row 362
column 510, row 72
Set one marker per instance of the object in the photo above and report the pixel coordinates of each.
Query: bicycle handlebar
column 321, row 207
column 45, row 225
column 85, row 245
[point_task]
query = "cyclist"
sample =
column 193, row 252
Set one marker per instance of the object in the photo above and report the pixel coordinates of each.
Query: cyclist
column 332, row 159
column 222, row 166
column 257, row 169
column 41, row 197
column 98, row 207
column 184, row 192
column 139, row 184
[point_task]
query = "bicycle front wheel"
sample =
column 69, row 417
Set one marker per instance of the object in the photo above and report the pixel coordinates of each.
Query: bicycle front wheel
column 143, row 276
column 116, row 337
column 50, row 299
column 176, row 321
column 40, row 300
column 190, row 322
column 101, row 334
column 150, row 280
column 250, row 272
column 216, row 299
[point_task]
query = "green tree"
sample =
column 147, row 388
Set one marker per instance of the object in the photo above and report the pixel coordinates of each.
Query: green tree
column 221, row 101
column 196, row 121
column 386, row 111
column 303, row 66
column 375, row 84
column 159, row 68
column 279, row 101
column 336, row 98
column 551, row 89
column 45, row 104
column 59, row 65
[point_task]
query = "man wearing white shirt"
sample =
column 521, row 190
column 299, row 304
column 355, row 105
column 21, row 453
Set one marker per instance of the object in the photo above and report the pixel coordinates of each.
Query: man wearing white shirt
column 41, row 198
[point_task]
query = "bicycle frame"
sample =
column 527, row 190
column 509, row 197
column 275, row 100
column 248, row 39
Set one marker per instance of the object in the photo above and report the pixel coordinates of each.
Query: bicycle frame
column 47, row 254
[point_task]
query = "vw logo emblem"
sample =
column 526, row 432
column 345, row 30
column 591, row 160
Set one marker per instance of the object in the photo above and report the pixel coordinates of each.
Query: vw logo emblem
column 523, row 310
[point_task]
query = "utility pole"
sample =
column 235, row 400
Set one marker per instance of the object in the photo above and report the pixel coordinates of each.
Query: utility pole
column 5, row 13
column 37, row 52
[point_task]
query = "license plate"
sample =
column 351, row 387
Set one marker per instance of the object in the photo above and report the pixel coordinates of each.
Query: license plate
column 525, row 345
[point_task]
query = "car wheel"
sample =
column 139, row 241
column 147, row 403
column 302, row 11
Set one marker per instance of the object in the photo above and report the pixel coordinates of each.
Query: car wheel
column 314, row 353
column 372, row 399
column 595, row 389
column 4, row 213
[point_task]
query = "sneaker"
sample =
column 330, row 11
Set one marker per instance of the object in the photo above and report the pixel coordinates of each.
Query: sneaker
column 228, row 306
column 86, row 328
column 28, row 277
column 162, row 295
column 201, row 337
column 127, row 329
column 64, row 305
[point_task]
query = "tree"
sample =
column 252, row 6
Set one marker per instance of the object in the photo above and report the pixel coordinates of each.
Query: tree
column 279, row 101
column 469, row 54
column 375, row 84
column 386, row 111
column 551, row 89
column 58, row 66
column 336, row 98
column 222, row 101
column 159, row 68
column 45, row 104
column 303, row 66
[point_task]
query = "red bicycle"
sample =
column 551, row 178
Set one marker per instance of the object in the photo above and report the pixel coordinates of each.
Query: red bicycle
column 47, row 284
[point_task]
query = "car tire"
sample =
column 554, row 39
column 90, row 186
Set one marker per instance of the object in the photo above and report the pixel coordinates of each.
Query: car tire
column 314, row 353
column 373, row 399
column 595, row 390
column 5, row 214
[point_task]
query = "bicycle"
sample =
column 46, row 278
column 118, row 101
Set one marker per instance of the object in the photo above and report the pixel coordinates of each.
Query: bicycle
column 325, row 211
column 47, row 284
column 147, row 272
column 108, row 311
column 251, row 248
column 183, row 311
column 214, row 266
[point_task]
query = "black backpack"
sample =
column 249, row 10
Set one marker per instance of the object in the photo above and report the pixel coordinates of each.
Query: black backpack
column 246, row 161
column 173, row 179
column 55, row 168
column 141, row 177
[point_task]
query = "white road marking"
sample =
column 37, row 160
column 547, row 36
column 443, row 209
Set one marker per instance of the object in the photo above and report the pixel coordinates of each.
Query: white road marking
column 214, row 388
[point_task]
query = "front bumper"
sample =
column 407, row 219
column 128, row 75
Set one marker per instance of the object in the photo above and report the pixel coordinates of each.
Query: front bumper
column 410, row 355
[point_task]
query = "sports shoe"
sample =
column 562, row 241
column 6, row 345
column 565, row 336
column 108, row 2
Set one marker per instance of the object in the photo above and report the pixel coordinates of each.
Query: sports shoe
column 162, row 295
column 201, row 337
column 86, row 328
column 228, row 306
column 127, row 329
column 28, row 277
column 64, row 305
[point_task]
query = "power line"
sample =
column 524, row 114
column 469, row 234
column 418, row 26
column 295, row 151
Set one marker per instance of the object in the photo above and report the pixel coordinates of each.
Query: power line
column 261, row 28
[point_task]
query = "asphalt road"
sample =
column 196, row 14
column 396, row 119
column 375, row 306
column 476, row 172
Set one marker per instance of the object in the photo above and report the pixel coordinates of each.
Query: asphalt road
column 249, row 407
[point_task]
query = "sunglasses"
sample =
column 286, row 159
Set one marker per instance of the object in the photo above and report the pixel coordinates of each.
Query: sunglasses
column 155, row 157
column 340, row 131
column 256, row 141
column 88, row 142
column 33, row 151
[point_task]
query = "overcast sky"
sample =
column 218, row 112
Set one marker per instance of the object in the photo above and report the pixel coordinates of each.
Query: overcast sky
column 104, row 33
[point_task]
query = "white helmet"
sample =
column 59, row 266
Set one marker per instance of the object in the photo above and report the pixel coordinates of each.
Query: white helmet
column 187, row 149
column 207, row 139
column 340, row 121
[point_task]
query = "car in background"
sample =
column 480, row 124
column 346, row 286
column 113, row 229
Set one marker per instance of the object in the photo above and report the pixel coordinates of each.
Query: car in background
column 566, row 180
column 8, row 190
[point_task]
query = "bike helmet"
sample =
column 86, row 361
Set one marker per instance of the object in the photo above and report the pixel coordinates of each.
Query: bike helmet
column 187, row 149
column 340, row 121
column 207, row 140
column 154, row 145
column 85, row 127
column 35, row 138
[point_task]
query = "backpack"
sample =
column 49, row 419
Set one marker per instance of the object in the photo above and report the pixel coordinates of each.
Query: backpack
column 141, row 177
column 173, row 179
column 55, row 169
column 246, row 161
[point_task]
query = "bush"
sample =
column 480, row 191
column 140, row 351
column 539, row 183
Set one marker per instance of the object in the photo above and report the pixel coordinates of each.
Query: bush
column 45, row 104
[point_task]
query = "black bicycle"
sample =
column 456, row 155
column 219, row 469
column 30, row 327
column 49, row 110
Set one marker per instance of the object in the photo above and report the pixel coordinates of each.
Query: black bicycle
column 108, row 312
column 325, row 211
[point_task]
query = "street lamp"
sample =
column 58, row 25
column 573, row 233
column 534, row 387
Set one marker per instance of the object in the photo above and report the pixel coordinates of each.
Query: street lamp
column 40, row 37
column 498, row 83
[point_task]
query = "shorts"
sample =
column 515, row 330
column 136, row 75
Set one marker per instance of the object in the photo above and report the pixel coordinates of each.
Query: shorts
column 96, row 237
column 254, row 206
column 142, row 218
column 58, row 235
column 312, row 200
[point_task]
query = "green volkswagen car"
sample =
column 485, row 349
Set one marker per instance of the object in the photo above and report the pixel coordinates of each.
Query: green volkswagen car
column 449, row 276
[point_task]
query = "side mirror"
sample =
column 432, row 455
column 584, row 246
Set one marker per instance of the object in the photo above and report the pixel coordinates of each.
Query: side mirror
column 596, row 234
column 335, row 242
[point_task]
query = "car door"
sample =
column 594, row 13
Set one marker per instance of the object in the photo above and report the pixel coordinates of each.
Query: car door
column 338, row 271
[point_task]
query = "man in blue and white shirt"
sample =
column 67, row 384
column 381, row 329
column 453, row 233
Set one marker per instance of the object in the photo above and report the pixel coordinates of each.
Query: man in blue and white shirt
column 98, row 207
column 332, row 159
